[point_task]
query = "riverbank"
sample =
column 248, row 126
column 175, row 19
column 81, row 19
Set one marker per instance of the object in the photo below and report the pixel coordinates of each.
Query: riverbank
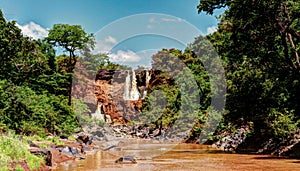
column 183, row 157
column 14, row 154
column 28, row 153
column 116, row 140
column 245, row 140
column 160, row 152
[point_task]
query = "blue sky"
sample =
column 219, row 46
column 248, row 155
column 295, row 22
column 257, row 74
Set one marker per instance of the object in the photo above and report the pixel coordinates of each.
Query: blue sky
column 130, row 30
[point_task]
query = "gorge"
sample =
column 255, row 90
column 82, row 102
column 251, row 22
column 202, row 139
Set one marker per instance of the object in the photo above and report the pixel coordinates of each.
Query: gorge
column 119, row 94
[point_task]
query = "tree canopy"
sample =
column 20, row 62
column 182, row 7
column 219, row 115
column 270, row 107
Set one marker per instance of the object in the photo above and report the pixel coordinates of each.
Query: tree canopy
column 259, row 42
column 72, row 38
column 32, row 95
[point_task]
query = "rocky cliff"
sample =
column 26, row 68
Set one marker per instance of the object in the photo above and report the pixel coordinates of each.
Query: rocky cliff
column 120, row 93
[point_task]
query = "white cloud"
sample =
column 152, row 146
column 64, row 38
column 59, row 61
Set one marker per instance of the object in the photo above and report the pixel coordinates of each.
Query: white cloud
column 149, row 26
column 33, row 30
column 211, row 29
column 152, row 20
column 124, row 56
column 165, row 19
column 105, row 45
column 111, row 40
column 172, row 19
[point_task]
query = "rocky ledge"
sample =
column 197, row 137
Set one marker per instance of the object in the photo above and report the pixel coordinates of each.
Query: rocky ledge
column 71, row 150
column 243, row 141
column 233, row 140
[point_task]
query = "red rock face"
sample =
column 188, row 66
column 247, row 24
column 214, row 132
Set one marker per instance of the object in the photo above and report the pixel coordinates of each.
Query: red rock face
column 104, row 97
column 58, row 157
column 109, row 92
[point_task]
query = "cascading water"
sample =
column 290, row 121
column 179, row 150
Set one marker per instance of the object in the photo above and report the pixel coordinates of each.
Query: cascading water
column 127, row 87
column 148, row 77
column 131, row 90
column 98, row 113
column 134, row 93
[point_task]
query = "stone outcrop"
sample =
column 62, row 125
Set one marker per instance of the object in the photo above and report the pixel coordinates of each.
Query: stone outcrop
column 71, row 150
column 234, row 140
column 120, row 93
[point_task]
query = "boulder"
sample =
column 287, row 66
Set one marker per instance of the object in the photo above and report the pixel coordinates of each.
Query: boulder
column 126, row 160
column 66, row 151
column 84, row 138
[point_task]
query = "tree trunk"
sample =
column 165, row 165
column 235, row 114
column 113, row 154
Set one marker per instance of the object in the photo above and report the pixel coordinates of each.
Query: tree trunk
column 70, row 90
column 72, row 66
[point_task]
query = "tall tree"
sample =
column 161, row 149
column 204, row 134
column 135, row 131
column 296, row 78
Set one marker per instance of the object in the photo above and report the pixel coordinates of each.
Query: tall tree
column 21, row 59
column 73, row 39
column 260, row 42
column 31, row 98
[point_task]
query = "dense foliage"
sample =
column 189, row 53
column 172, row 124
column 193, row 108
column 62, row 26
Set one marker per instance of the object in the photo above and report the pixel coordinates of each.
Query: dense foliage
column 180, row 95
column 73, row 39
column 259, row 42
column 32, row 88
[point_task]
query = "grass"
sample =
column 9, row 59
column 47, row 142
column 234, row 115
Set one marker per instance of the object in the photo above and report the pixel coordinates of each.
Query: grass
column 19, row 168
column 54, row 140
column 14, row 150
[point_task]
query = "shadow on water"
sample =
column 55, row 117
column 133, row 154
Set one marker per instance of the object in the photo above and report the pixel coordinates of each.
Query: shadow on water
column 272, row 158
column 203, row 152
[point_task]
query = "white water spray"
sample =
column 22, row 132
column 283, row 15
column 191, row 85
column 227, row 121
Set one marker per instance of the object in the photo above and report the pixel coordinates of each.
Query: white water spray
column 134, row 93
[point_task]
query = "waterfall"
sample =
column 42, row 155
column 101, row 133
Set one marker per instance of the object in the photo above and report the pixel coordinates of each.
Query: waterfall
column 148, row 77
column 127, row 87
column 98, row 113
column 134, row 93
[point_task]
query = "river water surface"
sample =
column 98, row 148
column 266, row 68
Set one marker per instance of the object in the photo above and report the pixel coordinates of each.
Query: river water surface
column 183, row 157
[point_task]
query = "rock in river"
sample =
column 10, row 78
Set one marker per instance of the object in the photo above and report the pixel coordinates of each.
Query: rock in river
column 126, row 160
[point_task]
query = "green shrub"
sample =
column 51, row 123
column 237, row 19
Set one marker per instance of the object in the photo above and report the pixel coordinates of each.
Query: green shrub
column 23, row 110
column 18, row 168
column 282, row 124
column 14, row 150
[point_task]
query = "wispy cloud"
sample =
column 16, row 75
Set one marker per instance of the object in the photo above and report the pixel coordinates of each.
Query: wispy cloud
column 111, row 40
column 152, row 20
column 172, row 19
column 149, row 26
column 164, row 19
column 124, row 56
column 33, row 30
column 105, row 45
column 211, row 29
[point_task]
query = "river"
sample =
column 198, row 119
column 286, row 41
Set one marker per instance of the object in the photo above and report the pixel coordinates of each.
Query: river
column 182, row 157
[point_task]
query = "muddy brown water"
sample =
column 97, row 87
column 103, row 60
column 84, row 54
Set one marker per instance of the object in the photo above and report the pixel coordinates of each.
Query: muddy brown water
column 182, row 157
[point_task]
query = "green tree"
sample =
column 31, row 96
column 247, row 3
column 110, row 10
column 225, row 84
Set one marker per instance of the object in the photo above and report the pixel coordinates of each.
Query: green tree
column 25, row 111
column 184, row 90
column 31, row 93
column 21, row 58
column 259, row 42
column 73, row 39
